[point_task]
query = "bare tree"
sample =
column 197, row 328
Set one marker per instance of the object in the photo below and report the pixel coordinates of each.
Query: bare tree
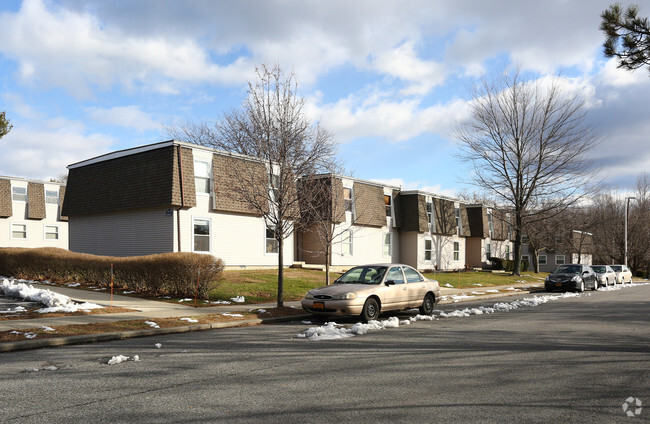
column 527, row 142
column 272, row 127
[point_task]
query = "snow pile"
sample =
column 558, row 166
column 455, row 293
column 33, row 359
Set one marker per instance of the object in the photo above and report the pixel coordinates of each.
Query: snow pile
column 448, row 285
column 185, row 300
column 16, row 310
column 158, row 345
column 502, row 306
column 152, row 324
column 121, row 358
column 238, row 299
column 46, row 328
column 332, row 330
column 73, row 285
column 27, row 335
column 221, row 302
column 54, row 302
column 189, row 320
column 228, row 314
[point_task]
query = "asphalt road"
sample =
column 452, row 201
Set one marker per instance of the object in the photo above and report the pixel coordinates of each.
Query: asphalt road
column 569, row 360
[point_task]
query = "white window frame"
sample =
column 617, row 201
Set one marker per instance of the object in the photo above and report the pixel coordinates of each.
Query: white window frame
column 48, row 199
column 208, row 167
column 14, row 194
column 347, row 203
column 266, row 240
column 488, row 251
column 507, row 254
column 456, row 251
column 347, row 243
column 45, row 232
column 431, row 216
column 429, row 250
column 389, row 206
column 542, row 262
column 198, row 218
column 389, row 245
column 11, row 231
column 563, row 259
column 458, row 223
column 490, row 224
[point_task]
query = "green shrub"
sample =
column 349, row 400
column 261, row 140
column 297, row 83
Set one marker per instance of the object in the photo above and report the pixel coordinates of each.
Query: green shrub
column 496, row 263
column 172, row 274
column 509, row 265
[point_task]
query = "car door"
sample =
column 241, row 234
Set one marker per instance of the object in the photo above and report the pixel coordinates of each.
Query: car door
column 589, row 276
column 416, row 286
column 396, row 294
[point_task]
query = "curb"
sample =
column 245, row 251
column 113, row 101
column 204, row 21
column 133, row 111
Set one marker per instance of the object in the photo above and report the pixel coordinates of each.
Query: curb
column 91, row 338
column 118, row 335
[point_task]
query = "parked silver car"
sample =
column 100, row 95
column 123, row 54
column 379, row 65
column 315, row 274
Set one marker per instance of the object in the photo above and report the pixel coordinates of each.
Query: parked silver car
column 606, row 275
column 623, row 273
column 370, row 289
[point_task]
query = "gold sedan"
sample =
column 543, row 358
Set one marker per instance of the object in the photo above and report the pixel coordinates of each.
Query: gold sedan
column 370, row 289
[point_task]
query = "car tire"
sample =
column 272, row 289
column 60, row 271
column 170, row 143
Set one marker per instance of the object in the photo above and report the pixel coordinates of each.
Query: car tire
column 427, row 304
column 595, row 287
column 581, row 288
column 370, row 310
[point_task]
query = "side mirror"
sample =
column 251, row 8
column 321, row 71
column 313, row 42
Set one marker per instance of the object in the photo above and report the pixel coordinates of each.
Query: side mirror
column 390, row 283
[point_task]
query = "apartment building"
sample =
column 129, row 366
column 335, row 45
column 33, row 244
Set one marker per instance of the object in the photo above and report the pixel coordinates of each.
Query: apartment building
column 490, row 235
column 30, row 213
column 567, row 247
column 168, row 197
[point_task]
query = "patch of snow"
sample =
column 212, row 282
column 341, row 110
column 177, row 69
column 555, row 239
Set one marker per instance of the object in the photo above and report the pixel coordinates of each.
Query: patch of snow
column 50, row 368
column 46, row 328
column 189, row 320
column 511, row 288
column 448, row 285
column 152, row 324
column 54, row 302
column 185, row 300
column 117, row 359
column 30, row 335
column 238, row 299
column 136, row 358
column 73, row 285
column 228, row 314
column 221, row 302
column 478, row 284
column 332, row 330
column 476, row 292
column 492, row 291
column 305, row 322
column 158, row 345
column 128, row 292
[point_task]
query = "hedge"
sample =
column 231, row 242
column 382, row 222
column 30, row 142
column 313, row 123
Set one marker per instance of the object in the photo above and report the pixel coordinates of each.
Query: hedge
column 507, row 265
column 171, row 274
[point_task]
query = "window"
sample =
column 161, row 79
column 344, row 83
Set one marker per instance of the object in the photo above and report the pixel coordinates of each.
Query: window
column 456, row 251
column 274, row 186
column 52, row 196
column 202, row 176
column 524, row 239
column 201, row 235
column 525, row 258
column 412, row 276
column 18, row 231
column 387, row 245
column 346, row 244
column 457, row 213
column 459, row 222
column 542, row 259
column 395, row 274
column 488, row 250
column 19, row 193
column 507, row 252
column 387, row 202
column 272, row 245
column 51, row 232
column 427, row 250
column 347, row 197
column 430, row 217
column 559, row 260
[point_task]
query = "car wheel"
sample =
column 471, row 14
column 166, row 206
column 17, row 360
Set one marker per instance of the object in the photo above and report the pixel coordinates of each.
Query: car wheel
column 427, row 304
column 595, row 287
column 370, row 310
column 582, row 286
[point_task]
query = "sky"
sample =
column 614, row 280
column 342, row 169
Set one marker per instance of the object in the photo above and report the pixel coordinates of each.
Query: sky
column 391, row 80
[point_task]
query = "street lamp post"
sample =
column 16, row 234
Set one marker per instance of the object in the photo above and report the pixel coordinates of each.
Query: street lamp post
column 627, row 207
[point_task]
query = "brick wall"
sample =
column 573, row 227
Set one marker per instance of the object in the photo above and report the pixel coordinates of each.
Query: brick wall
column 5, row 198
column 35, row 201
column 369, row 205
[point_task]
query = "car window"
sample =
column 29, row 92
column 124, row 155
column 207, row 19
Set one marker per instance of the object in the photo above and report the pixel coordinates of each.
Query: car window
column 395, row 274
column 616, row 268
column 412, row 276
column 568, row 269
column 599, row 269
column 362, row 274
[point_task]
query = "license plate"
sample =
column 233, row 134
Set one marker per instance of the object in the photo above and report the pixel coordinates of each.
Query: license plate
column 318, row 305
column 558, row 284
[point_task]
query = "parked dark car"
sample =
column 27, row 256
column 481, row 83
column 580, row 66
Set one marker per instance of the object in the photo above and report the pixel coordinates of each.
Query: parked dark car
column 571, row 277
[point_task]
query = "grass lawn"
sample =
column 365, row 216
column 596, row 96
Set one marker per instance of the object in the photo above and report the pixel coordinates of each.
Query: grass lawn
column 472, row 279
column 259, row 286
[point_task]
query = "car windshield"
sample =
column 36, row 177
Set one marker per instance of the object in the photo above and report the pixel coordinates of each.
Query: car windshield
column 568, row 269
column 617, row 268
column 362, row 275
column 599, row 269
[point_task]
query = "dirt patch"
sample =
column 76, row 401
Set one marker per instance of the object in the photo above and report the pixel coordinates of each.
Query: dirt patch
column 33, row 314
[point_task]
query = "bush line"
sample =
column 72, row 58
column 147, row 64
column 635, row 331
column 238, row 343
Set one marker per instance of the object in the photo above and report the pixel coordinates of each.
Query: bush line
column 170, row 274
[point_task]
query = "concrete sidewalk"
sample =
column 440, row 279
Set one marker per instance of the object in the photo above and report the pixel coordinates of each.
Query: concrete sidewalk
column 150, row 310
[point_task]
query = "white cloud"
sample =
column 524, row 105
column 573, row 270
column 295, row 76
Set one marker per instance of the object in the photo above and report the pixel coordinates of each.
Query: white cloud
column 124, row 116
column 44, row 153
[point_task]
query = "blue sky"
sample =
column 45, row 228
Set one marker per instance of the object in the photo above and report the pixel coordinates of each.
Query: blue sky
column 389, row 79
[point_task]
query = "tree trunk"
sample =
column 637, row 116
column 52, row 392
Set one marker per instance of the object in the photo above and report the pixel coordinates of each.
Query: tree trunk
column 536, row 261
column 280, row 272
column 328, row 255
column 516, row 270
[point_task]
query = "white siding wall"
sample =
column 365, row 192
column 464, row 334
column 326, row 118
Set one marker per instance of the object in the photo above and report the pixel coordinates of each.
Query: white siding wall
column 442, row 253
column 239, row 240
column 367, row 246
column 35, row 227
column 127, row 233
